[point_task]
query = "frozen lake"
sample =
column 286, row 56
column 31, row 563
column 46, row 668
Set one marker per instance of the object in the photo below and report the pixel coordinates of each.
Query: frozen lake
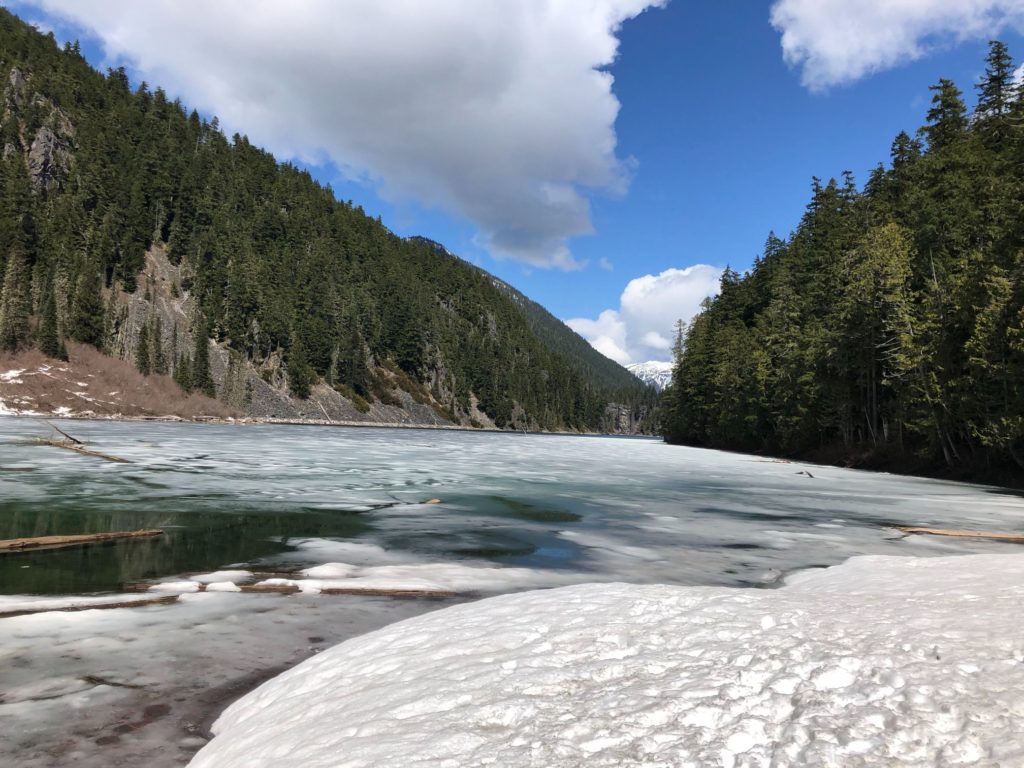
column 516, row 512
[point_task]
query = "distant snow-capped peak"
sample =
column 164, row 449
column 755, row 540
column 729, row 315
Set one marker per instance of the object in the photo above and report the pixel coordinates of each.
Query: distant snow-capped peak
column 657, row 373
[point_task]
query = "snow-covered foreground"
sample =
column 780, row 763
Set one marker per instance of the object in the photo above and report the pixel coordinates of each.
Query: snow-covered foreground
column 881, row 661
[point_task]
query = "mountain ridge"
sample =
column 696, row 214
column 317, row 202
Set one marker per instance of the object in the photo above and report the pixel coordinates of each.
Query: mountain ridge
column 136, row 227
column 554, row 332
column 657, row 373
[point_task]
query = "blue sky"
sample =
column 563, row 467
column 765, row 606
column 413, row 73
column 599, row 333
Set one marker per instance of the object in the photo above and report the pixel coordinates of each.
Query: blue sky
column 717, row 137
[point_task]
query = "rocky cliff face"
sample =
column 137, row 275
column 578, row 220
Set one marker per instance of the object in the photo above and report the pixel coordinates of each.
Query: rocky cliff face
column 46, row 142
column 622, row 420
column 258, row 389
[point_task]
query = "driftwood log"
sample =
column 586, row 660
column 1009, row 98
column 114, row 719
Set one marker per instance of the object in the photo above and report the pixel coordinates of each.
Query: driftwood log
column 291, row 589
column 1018, row 537
column 162, row 600
column 58, row 542
column 78, row 448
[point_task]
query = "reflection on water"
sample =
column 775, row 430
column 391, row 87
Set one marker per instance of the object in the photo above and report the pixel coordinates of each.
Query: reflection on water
column 601, row 508
column 192, row 542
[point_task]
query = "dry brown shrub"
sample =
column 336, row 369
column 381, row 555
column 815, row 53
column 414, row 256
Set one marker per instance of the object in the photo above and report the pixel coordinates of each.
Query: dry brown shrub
column 113, row 387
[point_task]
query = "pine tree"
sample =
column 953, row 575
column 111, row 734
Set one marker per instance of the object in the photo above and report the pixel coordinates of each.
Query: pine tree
column 201, row 378
column 143, row 359
column 47, row 335
column 996, row 88
column 947, row 117
column 87, row 314
column 15, row 304
column 183, row 372
column 300, row 374
column 352, row 364
column 159, row 359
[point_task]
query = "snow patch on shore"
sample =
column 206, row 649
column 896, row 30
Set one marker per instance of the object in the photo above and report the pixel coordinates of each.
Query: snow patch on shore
column 881, row 661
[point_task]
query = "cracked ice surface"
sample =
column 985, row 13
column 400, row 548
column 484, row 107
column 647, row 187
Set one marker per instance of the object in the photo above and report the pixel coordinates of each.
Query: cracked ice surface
column 881, row 661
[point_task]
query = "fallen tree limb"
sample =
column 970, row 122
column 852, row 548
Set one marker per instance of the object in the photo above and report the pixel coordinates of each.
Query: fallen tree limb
column 56, row 542
column 1019, row 537
column 78, row 448
column 163, row 600
column 67, row 437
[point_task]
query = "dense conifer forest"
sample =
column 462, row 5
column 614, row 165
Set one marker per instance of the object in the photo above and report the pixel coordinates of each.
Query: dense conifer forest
column 95, row 173
column 888, row 329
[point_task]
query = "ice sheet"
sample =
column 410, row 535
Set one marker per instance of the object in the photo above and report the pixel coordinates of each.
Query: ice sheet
column 137, row 686
column 517, row 512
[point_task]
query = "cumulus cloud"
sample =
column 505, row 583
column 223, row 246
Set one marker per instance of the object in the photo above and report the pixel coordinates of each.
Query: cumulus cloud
column 839, row 41
column 642, row 328
column 496, row 110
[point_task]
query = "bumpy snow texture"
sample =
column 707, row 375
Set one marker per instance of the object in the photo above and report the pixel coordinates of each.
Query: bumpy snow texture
column 878, row 662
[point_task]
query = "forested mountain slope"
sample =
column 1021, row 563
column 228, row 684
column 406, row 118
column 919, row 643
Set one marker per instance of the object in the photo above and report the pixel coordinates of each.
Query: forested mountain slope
column 889, row 328
column 132, row 225
column 559, row 337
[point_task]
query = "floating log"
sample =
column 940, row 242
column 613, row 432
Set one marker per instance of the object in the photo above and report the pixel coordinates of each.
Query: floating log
column 57, row 542
column 1018, row 537
column 163, row 600
column 426, row 594
column 271, row 589
column 291, row 589
column 78, row 448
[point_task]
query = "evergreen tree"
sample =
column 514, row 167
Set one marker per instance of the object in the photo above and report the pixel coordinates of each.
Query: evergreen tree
column 87, row 314
column 200, row 376
column 352, row 370
column 143, row 359
column 183, row 373
column 159, row 359
column 47, row 336
column 300, row 375
column 947, row 118
column 15, row 304
column 996, row 89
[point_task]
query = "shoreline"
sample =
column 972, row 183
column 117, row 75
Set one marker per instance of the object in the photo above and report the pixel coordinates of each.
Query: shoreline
column 245, row 421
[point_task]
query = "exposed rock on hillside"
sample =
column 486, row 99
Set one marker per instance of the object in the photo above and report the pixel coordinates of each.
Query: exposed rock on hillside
column 49, row 152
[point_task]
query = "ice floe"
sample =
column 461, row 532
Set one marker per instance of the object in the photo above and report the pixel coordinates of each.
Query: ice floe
column 229, row 575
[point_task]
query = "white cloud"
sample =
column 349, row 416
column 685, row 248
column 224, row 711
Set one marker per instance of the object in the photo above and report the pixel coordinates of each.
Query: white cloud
column 642, row 328
column 496, row 110
column 839, row 41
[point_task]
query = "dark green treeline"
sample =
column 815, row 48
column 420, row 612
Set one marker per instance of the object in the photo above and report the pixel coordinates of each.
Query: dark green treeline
column 889, row 327
column 94, row 172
